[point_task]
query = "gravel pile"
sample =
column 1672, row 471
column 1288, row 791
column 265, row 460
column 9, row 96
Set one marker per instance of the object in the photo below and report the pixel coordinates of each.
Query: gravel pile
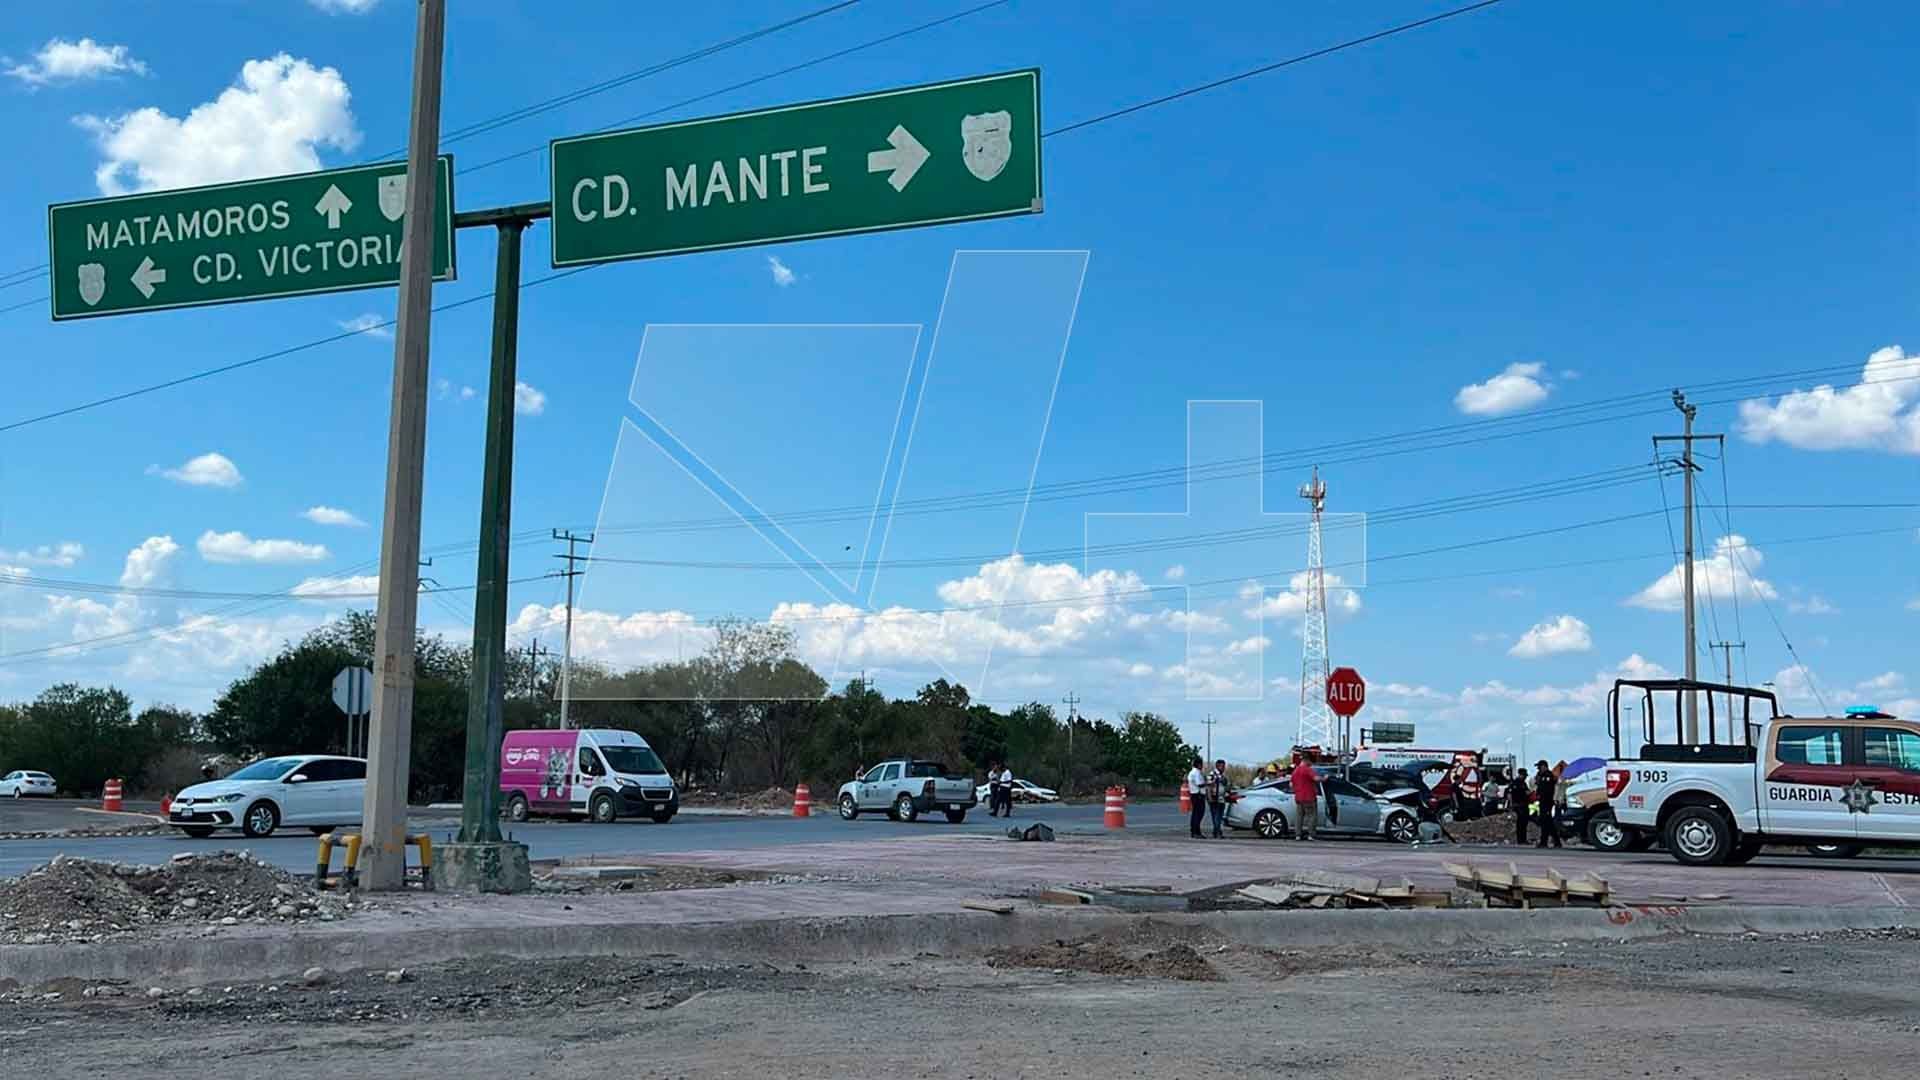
column 1101, row 958
column 80, row 900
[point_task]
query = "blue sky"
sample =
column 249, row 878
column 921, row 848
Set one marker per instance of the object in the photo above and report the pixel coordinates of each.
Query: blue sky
column 1531, row 208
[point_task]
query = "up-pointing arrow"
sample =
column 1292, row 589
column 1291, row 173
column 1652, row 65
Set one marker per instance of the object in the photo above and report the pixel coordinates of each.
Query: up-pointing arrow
column 147, row 275
column 333, row 204
column 904, row 159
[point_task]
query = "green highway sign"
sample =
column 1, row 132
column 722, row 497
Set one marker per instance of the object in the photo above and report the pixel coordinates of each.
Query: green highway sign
column 924, row 155
column 252, row 240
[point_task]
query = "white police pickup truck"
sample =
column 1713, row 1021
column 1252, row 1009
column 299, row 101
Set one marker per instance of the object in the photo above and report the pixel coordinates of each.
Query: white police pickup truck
column 907, row 788
column 1834, row 784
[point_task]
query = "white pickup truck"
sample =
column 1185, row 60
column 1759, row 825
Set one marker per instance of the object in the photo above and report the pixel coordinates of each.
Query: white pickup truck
column 1834, row 784
column 905, row 789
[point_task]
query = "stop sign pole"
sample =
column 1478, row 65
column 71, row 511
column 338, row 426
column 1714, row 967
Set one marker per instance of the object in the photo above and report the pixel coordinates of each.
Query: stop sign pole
column 1346, row 695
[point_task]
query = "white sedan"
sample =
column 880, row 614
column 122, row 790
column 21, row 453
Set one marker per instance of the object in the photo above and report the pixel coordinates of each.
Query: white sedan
column 23, row 782
column 1023, row 791
column 319, row 791
column 1345, row 809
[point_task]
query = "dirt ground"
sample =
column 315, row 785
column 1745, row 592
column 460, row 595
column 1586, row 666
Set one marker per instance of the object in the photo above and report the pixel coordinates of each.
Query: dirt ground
column 1829, row 1005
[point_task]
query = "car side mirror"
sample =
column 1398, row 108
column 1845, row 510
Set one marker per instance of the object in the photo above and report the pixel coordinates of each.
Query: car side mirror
column 297, row 778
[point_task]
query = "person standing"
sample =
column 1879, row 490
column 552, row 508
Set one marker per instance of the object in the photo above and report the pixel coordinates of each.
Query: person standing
column 1545, row 785
column 1218, row 788
column 1196, row 798
column 1006, row 790
column 1306, row 798
column 1517, row 802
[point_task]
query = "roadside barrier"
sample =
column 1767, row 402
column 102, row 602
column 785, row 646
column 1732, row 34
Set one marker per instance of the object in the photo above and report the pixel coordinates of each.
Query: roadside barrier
column 802, row 801
column 110, row 796
column 166, row 804
column 350, row 874
column 1116, row 808
column 1186, row 799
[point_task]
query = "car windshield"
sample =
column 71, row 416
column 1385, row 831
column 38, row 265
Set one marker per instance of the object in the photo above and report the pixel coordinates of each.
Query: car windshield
column 633, row 760
column 920, row 770
column 266, row 769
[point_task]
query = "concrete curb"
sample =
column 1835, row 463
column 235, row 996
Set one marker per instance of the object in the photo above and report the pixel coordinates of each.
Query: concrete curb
column 186, row 961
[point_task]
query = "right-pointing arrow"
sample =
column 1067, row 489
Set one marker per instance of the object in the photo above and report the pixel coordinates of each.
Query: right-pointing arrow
column 904, row 159
column 147, row 275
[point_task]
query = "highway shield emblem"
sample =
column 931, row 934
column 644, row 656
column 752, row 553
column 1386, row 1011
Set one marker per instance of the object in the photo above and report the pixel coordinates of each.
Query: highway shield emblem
column 987, row 143
column 393, row 196
column 93, row 282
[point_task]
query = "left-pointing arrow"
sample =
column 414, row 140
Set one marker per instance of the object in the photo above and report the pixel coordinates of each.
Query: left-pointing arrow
column 147, row 275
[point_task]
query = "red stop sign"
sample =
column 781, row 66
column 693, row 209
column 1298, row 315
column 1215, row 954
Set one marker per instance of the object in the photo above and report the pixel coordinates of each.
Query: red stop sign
column 1346, row 691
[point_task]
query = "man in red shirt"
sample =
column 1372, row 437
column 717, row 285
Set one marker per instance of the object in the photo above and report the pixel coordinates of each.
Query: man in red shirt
column 1306, row 798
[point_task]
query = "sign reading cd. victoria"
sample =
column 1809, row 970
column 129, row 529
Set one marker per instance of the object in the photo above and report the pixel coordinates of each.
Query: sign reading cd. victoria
column 252, row 240
column 926, row 155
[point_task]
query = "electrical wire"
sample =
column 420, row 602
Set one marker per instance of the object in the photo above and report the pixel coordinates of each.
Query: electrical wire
column 1737, row 552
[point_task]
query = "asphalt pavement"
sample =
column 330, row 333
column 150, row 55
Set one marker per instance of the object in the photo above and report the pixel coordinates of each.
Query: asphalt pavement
column 295, row 848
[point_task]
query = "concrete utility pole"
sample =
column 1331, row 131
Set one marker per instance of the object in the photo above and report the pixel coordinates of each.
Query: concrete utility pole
column 1687, row 468
column 390, row 738
column 1726, row 649
column 566, row 653
column 1209, row 721
column 534, row 652
column 1072, row 702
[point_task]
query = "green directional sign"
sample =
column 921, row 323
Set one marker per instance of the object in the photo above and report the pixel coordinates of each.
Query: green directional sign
column 925, row 155
column 286, row 236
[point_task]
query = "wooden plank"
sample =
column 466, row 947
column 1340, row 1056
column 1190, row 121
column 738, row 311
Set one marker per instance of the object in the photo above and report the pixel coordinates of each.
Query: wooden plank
column 1461, row 873
column 1267, row 894
column 1335, row 883
column 1060, row 896
column 1431, row 899
column 997, row 907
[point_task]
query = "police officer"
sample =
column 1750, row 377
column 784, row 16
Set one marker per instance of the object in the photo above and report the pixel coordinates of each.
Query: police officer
column 1517, row 802
column 1544, row 786
column 1196, row 797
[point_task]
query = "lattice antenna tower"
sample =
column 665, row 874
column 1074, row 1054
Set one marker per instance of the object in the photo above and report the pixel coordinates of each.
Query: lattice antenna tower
column 1316, row 719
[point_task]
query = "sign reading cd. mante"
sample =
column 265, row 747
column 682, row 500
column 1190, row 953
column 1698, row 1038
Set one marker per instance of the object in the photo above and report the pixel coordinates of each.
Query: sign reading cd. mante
column 924, row 155
column 251, row 240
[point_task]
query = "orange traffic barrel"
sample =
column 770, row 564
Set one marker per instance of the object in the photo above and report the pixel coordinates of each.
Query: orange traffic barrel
column 802, row 801
column 1116, row 808
column 110, row 798
column 1186, row 799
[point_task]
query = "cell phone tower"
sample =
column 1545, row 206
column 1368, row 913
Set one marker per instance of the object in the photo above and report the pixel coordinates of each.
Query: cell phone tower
column 1316, row 719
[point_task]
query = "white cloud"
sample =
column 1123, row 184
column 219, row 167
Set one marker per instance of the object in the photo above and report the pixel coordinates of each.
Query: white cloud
column 1519, row 387
column 273, row 121
column 1194, row 622
column 1249, row 646
column 468, row 393
column 1559, row 634
column 60, row 60
column 238, row 547
column 1729, row 570
column 1404, row 690
column 645, row 637
column 1176, row 572
column 1876, row 414
column 63, row 554
column 1139, row 671
column 526, row 400
column 357, row 586
column 783, row 274
column 331, row 515
column 344, row 7
column 207, row 470
column 1814, row 604
column 1914, row 604
column 371, row 325
column 1292, row 603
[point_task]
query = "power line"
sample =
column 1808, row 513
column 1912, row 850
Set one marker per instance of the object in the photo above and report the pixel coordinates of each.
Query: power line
column 1267, row 68
column 1736, row 552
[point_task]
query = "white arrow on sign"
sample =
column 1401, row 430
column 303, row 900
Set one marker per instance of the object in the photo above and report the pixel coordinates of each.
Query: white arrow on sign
column 333, row 204
column 904, row 159
column 147, row 275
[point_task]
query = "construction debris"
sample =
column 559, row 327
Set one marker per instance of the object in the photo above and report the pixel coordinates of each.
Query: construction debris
column 75, row 900
column 1319, row 889
column 997, row 907
column 1511, row 888
column 1039, row 830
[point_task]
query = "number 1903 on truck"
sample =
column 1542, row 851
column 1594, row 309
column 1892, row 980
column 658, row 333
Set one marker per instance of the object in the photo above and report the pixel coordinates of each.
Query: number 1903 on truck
column 1743, row 775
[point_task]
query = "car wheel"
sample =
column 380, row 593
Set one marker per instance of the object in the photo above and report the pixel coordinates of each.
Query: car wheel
column 903, row 809
column 1603, row 833
column 848, row 808
column 1270, row 824
column 16, row 791
column 517, row 809
column 661, row 817
column 956, row 816
column 1834, row 851
column 260, row 819
column 1403, row 829
column 1699, row 836
column 600, row 810
column 198, row 832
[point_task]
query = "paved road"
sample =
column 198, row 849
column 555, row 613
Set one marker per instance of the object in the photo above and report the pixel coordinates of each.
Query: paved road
column 41, row 815
column 294, row 849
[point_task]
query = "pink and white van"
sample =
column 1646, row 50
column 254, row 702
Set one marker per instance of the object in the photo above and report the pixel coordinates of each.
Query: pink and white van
column 601, row 774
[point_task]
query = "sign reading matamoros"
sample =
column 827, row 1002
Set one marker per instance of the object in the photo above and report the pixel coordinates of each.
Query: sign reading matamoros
column 925, row 155
column 251, row 240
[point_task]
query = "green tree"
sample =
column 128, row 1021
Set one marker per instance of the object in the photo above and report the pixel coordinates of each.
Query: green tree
column 1150, row 749
column 83, row 735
